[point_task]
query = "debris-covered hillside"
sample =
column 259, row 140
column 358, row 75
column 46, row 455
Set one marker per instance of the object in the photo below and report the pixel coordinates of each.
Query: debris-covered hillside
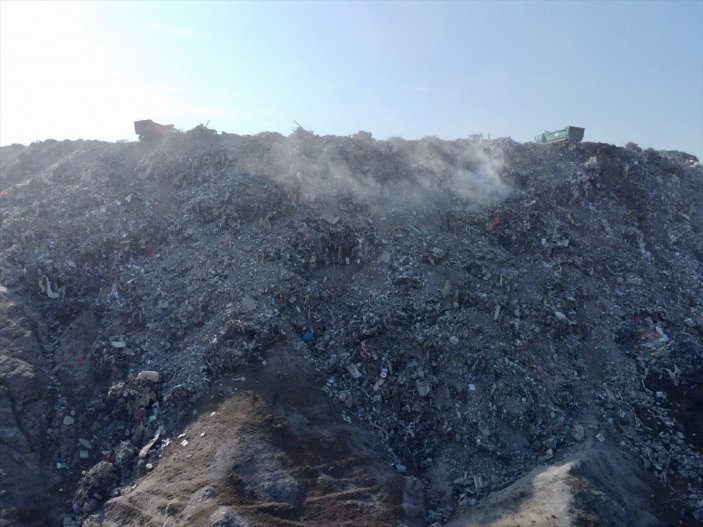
column 477, row 309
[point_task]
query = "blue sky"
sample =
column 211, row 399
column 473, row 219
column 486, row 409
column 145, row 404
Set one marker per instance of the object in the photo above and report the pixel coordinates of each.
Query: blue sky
column 626, row 71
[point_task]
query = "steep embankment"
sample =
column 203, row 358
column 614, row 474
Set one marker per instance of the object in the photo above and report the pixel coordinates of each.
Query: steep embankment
column 475, row 310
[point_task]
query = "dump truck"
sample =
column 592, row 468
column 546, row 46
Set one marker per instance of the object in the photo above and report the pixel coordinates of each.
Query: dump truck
column 148, row 130
column 568, row 133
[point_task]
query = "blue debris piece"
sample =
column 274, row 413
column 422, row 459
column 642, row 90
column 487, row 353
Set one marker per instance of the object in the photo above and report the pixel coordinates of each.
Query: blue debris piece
column 309, row 336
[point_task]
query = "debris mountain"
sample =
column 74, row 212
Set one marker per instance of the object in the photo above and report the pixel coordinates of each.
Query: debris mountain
column 358, row 332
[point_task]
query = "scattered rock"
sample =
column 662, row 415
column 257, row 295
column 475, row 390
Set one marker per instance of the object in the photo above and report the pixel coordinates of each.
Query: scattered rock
column 248, row 304
column 423, row 388
column 149, row 376
column 578, row 432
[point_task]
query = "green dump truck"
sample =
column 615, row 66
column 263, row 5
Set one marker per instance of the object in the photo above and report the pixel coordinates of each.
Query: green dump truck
column 569, row 133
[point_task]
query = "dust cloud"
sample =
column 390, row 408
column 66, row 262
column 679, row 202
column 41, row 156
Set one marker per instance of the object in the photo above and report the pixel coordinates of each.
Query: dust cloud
column 396, row 171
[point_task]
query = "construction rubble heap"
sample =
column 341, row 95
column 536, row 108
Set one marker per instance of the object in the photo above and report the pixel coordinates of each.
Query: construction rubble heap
column 479, row 309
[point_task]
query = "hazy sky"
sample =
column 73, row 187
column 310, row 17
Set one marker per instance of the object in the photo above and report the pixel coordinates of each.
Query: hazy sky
column 629, row 71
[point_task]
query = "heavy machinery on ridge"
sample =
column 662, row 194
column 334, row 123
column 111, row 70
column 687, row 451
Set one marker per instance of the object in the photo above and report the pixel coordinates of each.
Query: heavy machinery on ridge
column 568, row 133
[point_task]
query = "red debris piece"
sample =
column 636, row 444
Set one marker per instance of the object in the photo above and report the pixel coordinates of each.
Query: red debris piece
column 365, row 353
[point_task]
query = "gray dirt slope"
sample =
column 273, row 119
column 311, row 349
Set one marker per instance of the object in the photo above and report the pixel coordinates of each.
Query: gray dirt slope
column 388, row 333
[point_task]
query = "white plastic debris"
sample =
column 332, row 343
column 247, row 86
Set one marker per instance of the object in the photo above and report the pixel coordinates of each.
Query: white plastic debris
column 118, row 342
column 354, row 371
column 49, row 292
column 145, row 450
column 149, row 376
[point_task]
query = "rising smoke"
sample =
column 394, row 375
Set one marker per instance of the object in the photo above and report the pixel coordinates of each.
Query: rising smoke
column 397, row 171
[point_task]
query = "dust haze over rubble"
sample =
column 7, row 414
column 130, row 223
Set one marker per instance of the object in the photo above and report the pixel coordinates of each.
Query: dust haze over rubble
column 264, row 330
column 396, row 172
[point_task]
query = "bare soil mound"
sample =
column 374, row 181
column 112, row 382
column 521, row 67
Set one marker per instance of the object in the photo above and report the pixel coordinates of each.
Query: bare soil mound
column 595, row 486
column 272, row 453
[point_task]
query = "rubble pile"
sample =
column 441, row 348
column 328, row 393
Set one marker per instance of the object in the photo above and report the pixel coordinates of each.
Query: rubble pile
column 481, row 306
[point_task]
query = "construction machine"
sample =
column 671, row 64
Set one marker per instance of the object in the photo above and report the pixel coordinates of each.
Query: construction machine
column 148, row 130
column 568, row 133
